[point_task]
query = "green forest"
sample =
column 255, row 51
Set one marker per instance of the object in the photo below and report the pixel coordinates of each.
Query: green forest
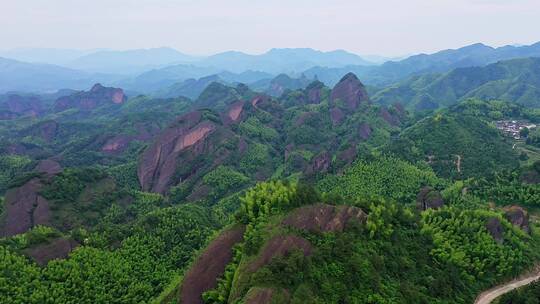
column 237, row 196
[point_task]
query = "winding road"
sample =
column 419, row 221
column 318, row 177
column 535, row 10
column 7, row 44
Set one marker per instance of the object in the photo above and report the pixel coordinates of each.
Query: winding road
column 488, row 296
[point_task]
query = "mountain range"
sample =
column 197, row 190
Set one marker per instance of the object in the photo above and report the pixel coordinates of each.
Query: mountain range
column 162, row 71
column 516, row 81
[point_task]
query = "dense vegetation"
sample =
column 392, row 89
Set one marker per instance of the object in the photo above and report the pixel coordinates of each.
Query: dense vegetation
column 386, row 177
column 159, row 244
column 446, row 256
column 455, row 145
column 254, row 170
column 514, row 81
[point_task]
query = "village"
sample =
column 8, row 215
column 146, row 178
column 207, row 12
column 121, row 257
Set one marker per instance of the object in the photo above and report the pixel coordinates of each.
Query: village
column 512, row 128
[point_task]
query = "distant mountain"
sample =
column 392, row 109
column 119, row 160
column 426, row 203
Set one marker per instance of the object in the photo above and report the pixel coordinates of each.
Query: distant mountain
column 45, row 55
column 516, row 80
column 130, row 61
column 280, row 84
column 31, row 77
column 159, row 79
column 472, row 55
column 278, row 61
column 331, row 76
column 190, row 88
column 443, row 61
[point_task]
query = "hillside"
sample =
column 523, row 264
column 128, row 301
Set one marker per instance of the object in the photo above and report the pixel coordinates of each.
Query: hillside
column 455, row 145
column 515, row 81
column 295, row 251
column 475, row 55
column 105, row 190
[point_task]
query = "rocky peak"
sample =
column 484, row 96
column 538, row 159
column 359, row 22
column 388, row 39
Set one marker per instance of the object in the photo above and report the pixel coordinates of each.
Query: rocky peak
column 88, row 100
column 97, row 87
column 350, row 91
column 314, row 92
column 158, row 163
column 16, row 106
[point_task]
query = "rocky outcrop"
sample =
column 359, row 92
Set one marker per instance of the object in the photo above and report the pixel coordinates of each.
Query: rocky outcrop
column 314, row 92
column 495, row 229
column 47, row 130
column 518, row 217
column 119, row 143
column 16, row 106
column 209, row 266
column 350, row 91
column 429, row 198
column 49, row 167
column 278, row 246
column 85, row 101
column 337, row 116
column 55, row 249
column 391, row 118
column 319, row 164
column 347, row 156
column 364, row 131
column 234, row 113
column 324, row 218
column 159, row 162
column 25, row 209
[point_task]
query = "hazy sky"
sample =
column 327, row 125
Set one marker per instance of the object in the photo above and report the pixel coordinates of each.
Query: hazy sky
column 386, row 27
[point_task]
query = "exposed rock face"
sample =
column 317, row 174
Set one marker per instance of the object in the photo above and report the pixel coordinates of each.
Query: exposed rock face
column 336, row 115
column 158, row 163
column 16, row 106
column 428, row 198
column 351, row 91
column 259, row 100
column 347, row 156
column 56, row 249
column 25, row 208
column 518, row 217
column 280, row 245
column 324, row 218
column 116, row 144
column 97, row 96
column 496, row 229
column 314, row 92
column 390, row 118
column 49, row 167
column 120, row 143
column 235, row 112
column 48, row 130
column 364, row 131
column 319, row 164
column 209, row 266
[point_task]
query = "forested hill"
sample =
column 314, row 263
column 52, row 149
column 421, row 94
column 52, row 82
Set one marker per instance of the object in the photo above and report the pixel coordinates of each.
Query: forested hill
column 516, row 81
column 320, row 193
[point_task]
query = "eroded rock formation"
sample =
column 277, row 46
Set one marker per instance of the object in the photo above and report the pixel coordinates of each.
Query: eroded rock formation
column 159, row 162
column 97, row 96
column 350, row 91
column 429, row 198
column 324, row 218
column 518, row 217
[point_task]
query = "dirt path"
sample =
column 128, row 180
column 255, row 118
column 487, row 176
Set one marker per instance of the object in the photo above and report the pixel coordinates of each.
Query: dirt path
column 488, row 296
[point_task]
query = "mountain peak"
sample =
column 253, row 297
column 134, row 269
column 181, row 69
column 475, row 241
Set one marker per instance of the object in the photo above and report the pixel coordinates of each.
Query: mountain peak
column 97, row 87
column 350, row 91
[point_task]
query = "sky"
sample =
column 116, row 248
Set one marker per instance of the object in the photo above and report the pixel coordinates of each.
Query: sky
column 203, row 27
